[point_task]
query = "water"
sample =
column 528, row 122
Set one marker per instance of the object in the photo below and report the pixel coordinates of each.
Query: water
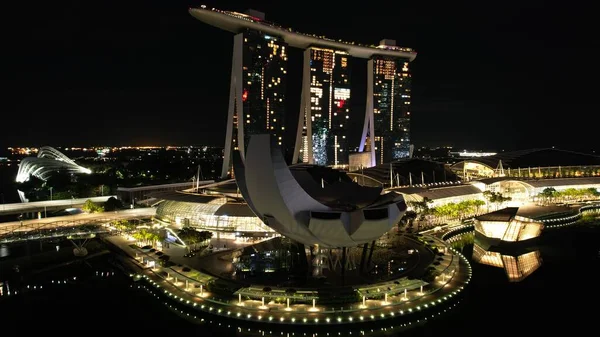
column 559, row 296
column 8, row 187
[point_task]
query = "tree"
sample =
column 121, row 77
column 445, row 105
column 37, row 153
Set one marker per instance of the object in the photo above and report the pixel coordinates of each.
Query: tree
column 61, row 195
column 495, row 198
column 124, row 225
column 112, row 204
column 60, row 180
column 548, row 194
column 205, row 236
column 408, row 218
column 92, row 207
column 593, row 192
column 422, row 208
column 193, row 237
column 146, row 237
column 478, row 203
column 463, row 240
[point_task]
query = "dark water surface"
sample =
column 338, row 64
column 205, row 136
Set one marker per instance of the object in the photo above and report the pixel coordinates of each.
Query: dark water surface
column 559, row 297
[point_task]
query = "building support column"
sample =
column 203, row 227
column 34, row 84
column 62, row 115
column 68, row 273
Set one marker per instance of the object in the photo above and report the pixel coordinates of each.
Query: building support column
column 369, row 125
column 370, row 255
column 235, row 105
column 344, row 250
column 305, row 115
column 363, row 257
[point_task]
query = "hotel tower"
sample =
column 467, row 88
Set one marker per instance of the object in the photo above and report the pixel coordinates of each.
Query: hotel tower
column 257, row 92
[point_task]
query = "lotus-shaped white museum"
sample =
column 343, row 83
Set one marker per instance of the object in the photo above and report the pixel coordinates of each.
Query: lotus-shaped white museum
column 313, row 205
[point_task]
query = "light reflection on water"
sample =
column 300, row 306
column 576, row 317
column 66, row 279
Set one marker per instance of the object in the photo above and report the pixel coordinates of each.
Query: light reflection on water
column 564, row 250
column 4, row 251
column 517, row 267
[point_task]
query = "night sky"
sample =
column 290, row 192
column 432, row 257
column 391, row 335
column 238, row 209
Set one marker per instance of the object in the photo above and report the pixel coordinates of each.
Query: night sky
column 491, row 77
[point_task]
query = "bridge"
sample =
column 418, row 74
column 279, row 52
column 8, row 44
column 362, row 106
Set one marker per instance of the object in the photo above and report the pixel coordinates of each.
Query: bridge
column 49, row 205
column 79, row 225
column 86, row 231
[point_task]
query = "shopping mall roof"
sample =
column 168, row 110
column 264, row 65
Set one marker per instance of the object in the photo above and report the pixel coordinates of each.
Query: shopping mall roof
column 224, row 206
column 450, row 191
column 240, row 209
column 183, row 196
column 501, row 215
column 543, row 157
column 549, row 182
column 563, row 182
column 439, row 192
column 489, row 181
column 226, row 186
column 430, row 171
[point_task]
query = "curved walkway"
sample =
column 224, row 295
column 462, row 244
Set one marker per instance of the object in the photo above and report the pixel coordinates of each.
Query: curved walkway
column 394, row 299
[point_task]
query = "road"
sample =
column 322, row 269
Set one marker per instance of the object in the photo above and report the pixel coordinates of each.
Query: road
column 77, row 219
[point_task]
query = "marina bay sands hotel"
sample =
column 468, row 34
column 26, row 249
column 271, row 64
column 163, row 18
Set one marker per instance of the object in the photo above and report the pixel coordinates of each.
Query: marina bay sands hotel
column 258, row 82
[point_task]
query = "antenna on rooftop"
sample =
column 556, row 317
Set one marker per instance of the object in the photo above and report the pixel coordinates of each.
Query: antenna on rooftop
column 500, row 169
column 198, row 179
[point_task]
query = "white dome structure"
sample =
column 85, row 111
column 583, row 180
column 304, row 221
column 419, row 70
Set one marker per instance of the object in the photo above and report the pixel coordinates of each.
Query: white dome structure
column 47, row 161
column 313, row 205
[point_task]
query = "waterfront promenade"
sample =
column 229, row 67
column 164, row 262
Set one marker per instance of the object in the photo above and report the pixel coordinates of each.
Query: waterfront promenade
column 406, row 297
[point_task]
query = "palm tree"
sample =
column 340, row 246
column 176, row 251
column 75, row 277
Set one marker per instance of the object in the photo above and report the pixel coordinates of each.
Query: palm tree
column 478, row 203
column 548, row 194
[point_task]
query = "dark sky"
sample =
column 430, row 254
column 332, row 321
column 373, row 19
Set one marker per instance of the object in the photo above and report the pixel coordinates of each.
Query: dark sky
column 488, row 75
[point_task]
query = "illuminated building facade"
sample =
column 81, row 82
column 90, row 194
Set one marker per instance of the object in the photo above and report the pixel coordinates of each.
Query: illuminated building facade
column 48, row 160
column 225, row 217
column 264, row 66
column 506, row 225
column 325, row 90
column 257, row 91
column 324, row 130
column 536, row 164
column 517, row 268
column 391, row 108
column 386, row 132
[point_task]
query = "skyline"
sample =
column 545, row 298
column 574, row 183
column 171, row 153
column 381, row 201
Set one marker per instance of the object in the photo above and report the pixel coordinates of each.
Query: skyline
column 105, row 80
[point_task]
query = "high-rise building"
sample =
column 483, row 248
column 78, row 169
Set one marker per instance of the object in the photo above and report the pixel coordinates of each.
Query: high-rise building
column 329, row 81
column 386, row 132
column 264, row 71
column 258, row 82
column 257, row 92
column 391, row 108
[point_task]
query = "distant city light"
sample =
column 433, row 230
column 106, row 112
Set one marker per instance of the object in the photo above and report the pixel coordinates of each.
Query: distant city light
column 476, row 154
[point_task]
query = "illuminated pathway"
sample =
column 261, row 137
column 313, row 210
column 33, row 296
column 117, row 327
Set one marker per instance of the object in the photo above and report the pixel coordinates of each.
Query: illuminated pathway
column 406, row 297
column 402, row 301
column 48, row 205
